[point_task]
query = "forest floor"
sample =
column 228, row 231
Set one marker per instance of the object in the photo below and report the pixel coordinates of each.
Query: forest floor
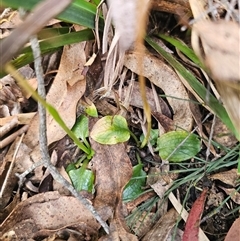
column 183, row 184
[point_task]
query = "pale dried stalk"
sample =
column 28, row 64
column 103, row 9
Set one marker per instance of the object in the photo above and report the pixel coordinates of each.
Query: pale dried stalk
column 9, row 126
column 13, row 136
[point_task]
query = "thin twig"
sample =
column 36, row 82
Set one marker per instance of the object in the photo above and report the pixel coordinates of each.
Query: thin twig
column 9, row 126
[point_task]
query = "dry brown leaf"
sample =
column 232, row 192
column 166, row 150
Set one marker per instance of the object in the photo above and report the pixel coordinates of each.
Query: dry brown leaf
column 220, row 42
column 63, row 96
column 118, row 233
column 165, row 78
column 221, row 133
column 105, row 108
column 178, row 7
column 33, row 83
column 217, row 45
column 162, row 229
column 113, row 170
column 48, row 212
column 234, row 232
column 166, row 122
column 143, row 223
column 136, row 100
column 229, row 177
column 147, row 219
column 131, row 205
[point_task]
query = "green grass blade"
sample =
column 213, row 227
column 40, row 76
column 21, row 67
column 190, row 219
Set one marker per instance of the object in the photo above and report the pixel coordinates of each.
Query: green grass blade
column 51, row 45
column 52, row 32
column 79, row 12
column 183, row 48
column 64, row 39
column 207, row 98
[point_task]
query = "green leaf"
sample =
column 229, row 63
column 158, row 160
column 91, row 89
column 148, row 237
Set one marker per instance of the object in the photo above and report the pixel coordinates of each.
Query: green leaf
column 82, row 179
column 80, row 128
column 177, row 146
column 153, row 136
column 202, row 92
column 134, row 188
column 91, row 110
column 80, row 11
column 70, row 167
column 110, row 130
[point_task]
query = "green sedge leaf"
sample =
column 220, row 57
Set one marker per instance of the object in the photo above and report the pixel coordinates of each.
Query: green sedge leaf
column 110, row 130
column 60, row 40
column 80, row 11
column 178, row 146
column 51, row 45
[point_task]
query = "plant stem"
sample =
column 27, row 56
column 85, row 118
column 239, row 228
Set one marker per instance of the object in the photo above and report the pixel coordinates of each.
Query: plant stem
column 134, row 137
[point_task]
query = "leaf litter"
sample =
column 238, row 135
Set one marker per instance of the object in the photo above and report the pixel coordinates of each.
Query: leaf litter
column 53, row 214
